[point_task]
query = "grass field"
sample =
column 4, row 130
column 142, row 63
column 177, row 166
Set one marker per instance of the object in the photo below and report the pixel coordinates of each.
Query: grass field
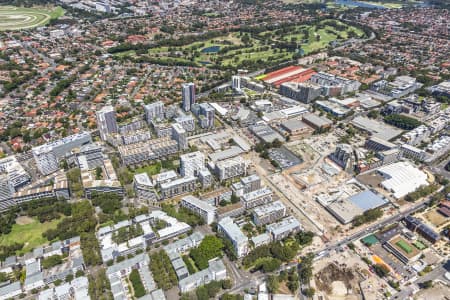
column 385, row 4
column 259, row 48
column 17, row 18
column 30, row 234
column 150, row 170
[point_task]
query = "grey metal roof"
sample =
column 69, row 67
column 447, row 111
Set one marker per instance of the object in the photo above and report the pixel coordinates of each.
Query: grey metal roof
column 158, row 295
column 34, row 278
column 128, row 263
column 33, row 268
column 15, row 286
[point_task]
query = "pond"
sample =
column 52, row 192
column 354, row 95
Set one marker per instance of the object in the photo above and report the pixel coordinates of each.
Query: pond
column 212, row 49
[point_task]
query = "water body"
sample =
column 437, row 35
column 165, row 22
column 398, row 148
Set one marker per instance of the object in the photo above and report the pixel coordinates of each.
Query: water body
column 212, row 49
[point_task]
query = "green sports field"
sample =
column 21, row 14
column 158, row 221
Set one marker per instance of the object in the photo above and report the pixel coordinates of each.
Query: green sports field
column 17, row 18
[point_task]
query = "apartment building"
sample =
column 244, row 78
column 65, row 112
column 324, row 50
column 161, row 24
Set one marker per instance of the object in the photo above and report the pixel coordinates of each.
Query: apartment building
column 177, row 187
column 304, row 92
column 179, row 135
column 192, row 163
column 154, row 111
column 235, row 235
column 48, row 156
column 144, row 188
column 269, row 213
column 147, row 151
column 106, row 122
column 333, row 85
column 230, row 168
column 106, row 183
column 199, row 207
column 284, row 228
column 256, row 198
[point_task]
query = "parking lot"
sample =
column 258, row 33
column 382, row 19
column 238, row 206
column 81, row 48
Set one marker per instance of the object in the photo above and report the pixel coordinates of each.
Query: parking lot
column 284, row 158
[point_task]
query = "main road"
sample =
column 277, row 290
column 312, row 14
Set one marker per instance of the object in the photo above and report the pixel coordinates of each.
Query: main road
column 254, row 280
column 375, row 227
column 438, row 273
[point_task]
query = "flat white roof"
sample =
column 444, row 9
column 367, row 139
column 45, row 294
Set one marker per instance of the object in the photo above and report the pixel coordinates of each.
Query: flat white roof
column 166, row 176
column 222, row 111
column 143, row 179
column 203, row 205
column 402, row 178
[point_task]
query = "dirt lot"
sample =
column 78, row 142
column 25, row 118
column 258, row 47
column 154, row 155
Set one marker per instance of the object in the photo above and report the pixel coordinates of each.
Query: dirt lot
column 308, row 154
column 372, row 179
column 326, row 280
column 338, row 277
column 24, row 220
column 437, row 292
column 435, row 218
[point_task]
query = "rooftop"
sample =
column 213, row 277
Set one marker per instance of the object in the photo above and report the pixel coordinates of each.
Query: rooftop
column 402, row 178
column 232, row 230
column 199, row 203
column 367, row 200
column 286, row 224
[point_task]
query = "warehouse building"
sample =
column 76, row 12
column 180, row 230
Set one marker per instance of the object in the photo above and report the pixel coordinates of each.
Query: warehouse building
column 402, row 178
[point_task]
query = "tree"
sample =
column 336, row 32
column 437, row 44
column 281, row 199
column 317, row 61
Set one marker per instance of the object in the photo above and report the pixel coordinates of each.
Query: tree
column 402, row 121
column 373, row 114
column 293, row 285
column 99, row 287
column 309, row 292
column 226, row 284
column 227, row 296
column 108, row 202
column 138, row 286
column 273, row 284
column 210, row 247
column 276, row 143
column 213, row 288
column 304, row 238
column 368, row 216
column 427, row 284
column 98, row 173
column 381, row 270
column 69, row 278
column 202, row 293
column 162, row 270
column 51, row 261
column 234, row 199
column 306, row 269
column 269, row 264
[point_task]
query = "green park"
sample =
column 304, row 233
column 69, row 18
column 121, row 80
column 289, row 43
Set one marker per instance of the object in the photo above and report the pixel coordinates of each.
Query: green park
column 28, row 231
column 247, row 48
